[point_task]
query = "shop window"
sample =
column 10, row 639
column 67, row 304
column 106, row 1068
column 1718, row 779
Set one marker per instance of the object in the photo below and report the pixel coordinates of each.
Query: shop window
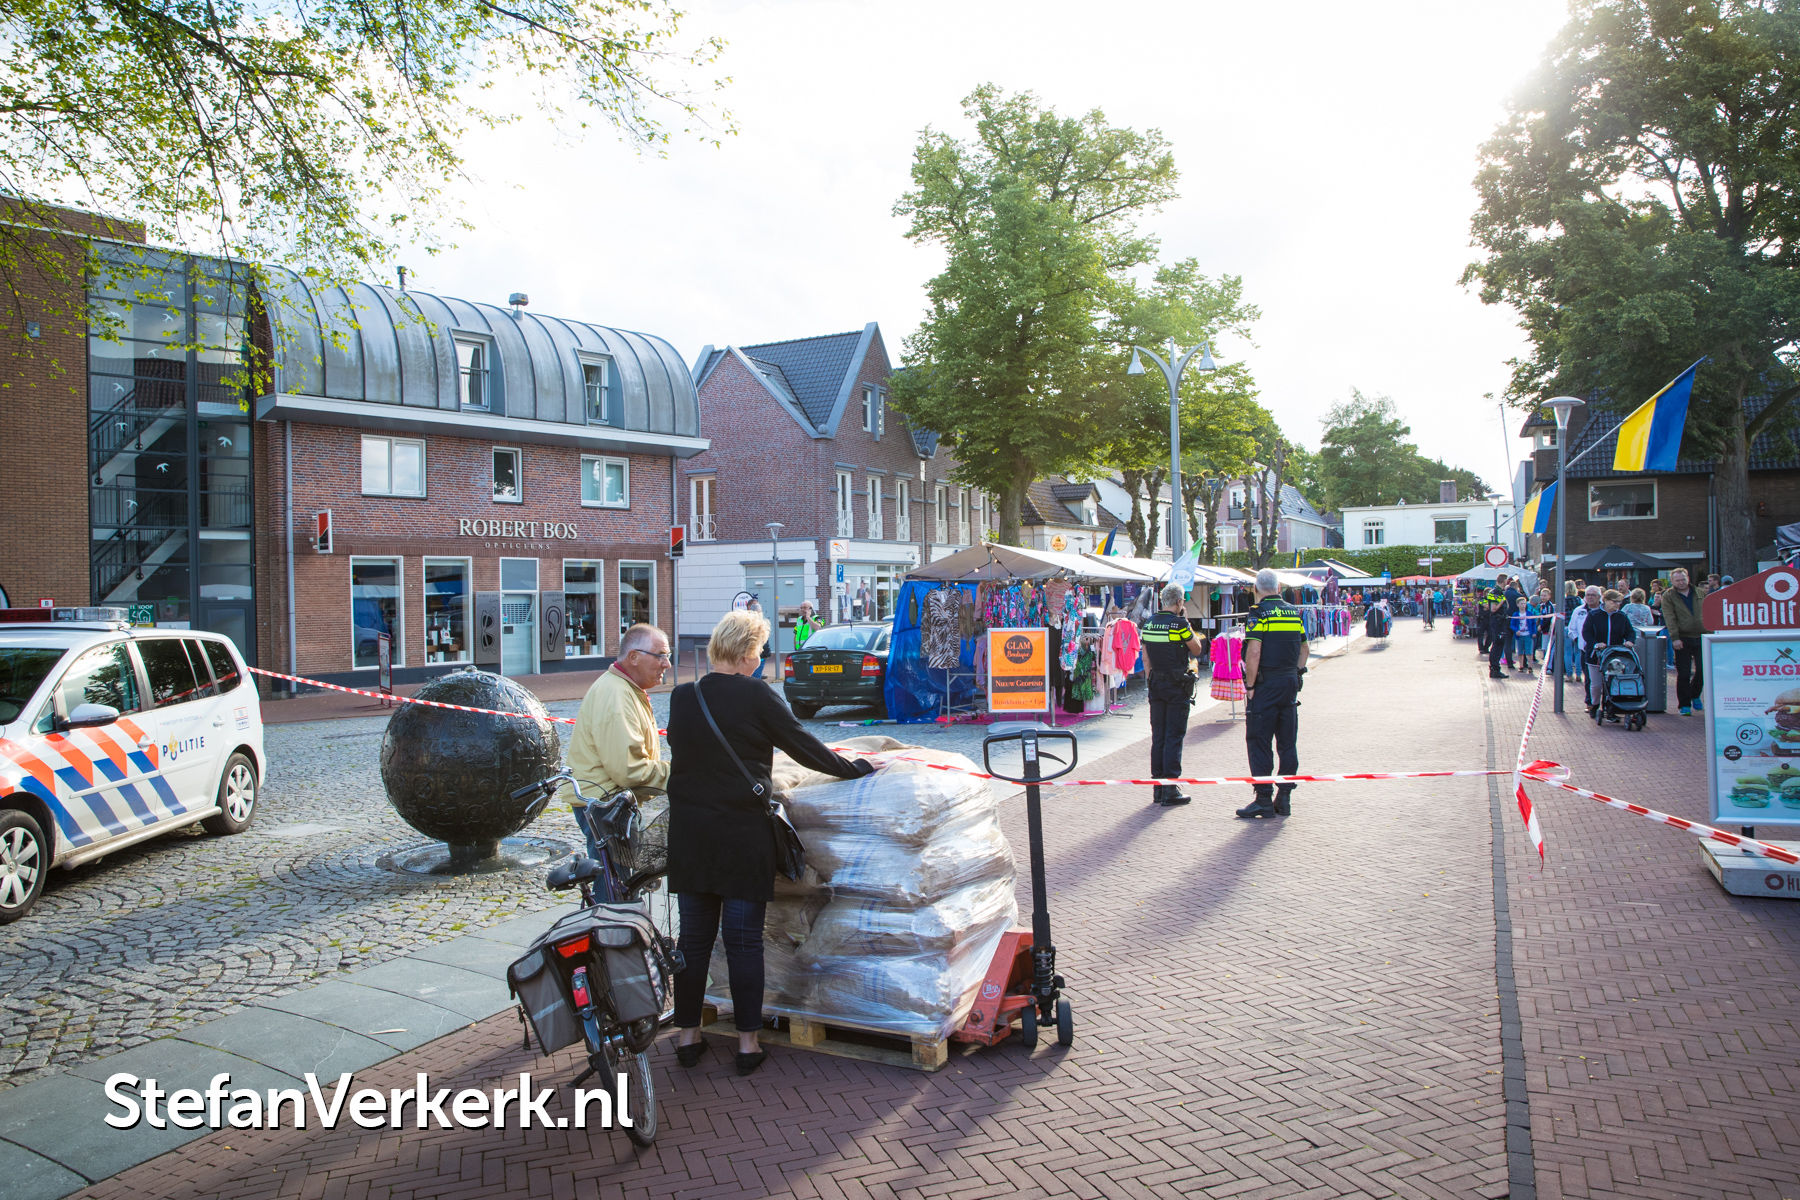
column 508, row 487
column 1374, row 534
column 393, row 466
column 581, row 603
column 903, row 510
column 637, row 595
column 1450, row 531
column 596, row 380
column 701, row 490
column 1633, row 501
column 473, row 355
column 875, row 506
column 374, row 609
column 447, row 595
column 846, row 520
column 605, row 482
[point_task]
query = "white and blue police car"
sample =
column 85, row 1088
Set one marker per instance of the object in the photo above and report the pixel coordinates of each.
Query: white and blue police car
column 110, row 735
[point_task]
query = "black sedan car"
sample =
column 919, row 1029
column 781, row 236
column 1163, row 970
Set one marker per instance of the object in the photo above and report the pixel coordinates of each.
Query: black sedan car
column 840, row 664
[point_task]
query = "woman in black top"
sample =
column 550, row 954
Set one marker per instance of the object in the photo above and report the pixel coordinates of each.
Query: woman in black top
column 1605, row 626
column 721, row 851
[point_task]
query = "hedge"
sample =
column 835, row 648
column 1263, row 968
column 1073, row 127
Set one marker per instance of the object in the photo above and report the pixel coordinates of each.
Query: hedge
column 1401, row 560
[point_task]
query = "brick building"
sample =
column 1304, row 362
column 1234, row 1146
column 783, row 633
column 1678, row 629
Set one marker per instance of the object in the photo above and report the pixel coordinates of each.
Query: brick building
column 1668, row 514
column 499, row 485
column 800, row 434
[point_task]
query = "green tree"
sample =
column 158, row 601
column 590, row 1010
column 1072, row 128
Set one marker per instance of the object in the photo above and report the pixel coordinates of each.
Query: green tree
column 1035, row 218
column 1218, row 408
column 1364, row 459
column 322, row 133
column 1639, row 208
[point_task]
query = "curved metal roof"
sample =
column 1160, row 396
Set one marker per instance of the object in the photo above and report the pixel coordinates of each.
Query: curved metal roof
column 382, row 346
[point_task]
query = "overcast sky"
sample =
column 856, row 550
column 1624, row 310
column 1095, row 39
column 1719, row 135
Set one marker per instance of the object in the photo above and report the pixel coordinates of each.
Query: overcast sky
column 1326, row 152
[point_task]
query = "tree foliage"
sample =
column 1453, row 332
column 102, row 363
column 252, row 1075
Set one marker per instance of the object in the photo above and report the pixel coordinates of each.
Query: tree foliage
column 1639, row 208
column 1035, row 217
column 322, row 133
column 1364, row 459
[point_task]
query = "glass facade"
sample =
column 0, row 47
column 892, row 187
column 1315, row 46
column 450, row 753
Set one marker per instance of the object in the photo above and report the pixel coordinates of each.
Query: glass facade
column 581, row 601
column 447, row 610
column 169, row 466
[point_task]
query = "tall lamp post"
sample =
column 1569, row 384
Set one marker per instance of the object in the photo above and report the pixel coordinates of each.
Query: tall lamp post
column 1177, row 534
column 1562, row 406
column 775, row 528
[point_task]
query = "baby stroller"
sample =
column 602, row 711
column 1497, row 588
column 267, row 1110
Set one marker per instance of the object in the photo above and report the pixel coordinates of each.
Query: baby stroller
column 1623, row 696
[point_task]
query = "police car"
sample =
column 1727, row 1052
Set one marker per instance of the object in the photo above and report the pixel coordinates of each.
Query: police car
column 110, row 735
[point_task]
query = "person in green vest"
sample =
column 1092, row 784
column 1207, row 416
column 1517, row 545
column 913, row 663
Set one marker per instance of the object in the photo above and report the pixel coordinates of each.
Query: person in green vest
column 805, row 625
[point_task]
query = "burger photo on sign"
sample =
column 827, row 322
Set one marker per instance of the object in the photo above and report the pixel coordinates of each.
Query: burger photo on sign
column 1784, row 783
column 1786, row 734
column 1750, row 791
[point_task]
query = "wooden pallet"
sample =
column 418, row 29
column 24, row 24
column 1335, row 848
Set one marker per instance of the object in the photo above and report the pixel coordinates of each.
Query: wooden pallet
column 845, row 1041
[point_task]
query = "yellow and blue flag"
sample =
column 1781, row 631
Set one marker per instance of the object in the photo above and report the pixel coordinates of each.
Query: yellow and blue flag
column 1650, row 438
column 1536, row 517
column 1106, row 547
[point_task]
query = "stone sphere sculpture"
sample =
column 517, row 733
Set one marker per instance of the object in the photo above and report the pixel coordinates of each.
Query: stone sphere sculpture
column 451, row 775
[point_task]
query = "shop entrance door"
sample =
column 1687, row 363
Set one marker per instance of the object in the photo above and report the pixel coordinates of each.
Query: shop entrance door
column 518, row 633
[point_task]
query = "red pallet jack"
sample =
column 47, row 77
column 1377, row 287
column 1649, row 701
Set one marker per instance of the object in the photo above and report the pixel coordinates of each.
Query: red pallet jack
column 1022, row 980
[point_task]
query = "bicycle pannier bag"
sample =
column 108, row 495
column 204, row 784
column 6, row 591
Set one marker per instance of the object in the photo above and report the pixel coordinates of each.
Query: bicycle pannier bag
column 538, row 984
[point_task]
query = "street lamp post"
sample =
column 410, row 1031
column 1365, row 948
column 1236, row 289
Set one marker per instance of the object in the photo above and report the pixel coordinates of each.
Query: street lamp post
column 1177, row 532
column 1562, row 406
column 775, row 528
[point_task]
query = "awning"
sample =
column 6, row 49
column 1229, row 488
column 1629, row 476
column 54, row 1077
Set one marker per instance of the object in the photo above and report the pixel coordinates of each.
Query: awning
column 1616, row 558
column 993, row 562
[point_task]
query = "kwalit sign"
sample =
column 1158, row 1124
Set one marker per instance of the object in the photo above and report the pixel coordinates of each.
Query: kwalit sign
column 1770, row 600
column 516, row 529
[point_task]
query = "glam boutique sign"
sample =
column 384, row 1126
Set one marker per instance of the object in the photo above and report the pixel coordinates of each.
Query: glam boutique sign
column 563, row 530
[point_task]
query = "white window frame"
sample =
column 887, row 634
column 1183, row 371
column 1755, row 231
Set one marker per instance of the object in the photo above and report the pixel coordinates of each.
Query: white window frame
column 619, row 587
column 1374, row 533
column 398, row 562
column 390, row 443
column 703, row 524
column 604, row 362
column 846, row 509
column 1434, row 533
column 962, row 516
column 940, row 514
column 869, row 405
column 537, row 575
column 902, row 510
column 518, row 457
column 599, row 565
column 875, row 521
column 468, row 603
column 485, row 345
column 1655, row 499
column 1544, row 439
column 604, row 460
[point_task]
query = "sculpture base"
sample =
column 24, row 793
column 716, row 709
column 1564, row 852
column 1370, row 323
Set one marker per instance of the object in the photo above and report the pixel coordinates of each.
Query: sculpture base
column 508, row 854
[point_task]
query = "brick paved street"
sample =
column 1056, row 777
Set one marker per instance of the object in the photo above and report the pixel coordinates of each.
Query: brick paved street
column 1275, row 1009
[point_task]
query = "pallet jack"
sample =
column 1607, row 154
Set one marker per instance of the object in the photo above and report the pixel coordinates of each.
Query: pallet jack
column 1022, row 977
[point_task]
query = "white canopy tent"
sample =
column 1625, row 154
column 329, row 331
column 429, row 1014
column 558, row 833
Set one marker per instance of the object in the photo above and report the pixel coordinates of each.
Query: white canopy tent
column 1485, row 574
column 991, row 561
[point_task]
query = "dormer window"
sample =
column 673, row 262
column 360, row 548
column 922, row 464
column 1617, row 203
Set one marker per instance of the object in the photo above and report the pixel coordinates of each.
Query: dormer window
column 473, row 362
column 1543, row 439
column 596, row 387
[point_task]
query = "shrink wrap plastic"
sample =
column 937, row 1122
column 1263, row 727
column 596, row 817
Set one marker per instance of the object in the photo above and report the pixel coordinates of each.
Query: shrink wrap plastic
column 908, row 888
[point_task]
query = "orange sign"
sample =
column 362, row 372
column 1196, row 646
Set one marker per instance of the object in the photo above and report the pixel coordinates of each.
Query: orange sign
column 1018, row 670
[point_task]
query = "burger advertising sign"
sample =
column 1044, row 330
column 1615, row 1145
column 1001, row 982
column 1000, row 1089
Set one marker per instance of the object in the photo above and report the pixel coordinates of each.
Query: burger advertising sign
column 1752, row 701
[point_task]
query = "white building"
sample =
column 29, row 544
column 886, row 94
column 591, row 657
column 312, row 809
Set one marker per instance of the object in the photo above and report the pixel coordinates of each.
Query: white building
column 1449, row 522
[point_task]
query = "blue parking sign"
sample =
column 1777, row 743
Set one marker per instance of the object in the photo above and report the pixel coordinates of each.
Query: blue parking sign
column 840, row 575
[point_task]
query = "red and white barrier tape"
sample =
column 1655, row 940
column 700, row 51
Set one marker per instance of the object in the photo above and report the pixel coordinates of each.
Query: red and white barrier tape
column 1526, row 812
column 1348, row 777
column 398, row 699
column 1694, row 827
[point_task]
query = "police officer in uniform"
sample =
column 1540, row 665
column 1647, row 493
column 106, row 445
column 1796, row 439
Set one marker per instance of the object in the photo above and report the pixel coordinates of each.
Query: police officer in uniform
column 1492, row 604
column 1169, row 645
column 1275, row 651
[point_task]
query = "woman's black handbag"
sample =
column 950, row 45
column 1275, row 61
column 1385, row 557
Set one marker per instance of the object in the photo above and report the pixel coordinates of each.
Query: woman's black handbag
column 790, row 852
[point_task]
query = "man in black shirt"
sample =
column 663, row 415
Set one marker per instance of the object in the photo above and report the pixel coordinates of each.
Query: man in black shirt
column 1275, row 651
column 1169, row 645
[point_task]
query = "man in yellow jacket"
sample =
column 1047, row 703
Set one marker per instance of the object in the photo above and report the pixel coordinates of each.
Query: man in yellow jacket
column 614, row 745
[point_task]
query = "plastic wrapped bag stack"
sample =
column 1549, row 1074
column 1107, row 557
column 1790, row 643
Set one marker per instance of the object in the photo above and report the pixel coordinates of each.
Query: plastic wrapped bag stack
column 909, row 886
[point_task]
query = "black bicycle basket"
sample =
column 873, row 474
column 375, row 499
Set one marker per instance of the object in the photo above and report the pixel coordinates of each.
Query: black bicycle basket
column 642, row 856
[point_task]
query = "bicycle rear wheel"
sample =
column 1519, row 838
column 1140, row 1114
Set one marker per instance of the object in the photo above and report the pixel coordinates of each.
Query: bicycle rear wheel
column 639, row 1094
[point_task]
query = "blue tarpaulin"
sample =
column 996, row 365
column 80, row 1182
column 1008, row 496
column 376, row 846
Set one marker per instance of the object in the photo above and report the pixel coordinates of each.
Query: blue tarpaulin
column 914, row 691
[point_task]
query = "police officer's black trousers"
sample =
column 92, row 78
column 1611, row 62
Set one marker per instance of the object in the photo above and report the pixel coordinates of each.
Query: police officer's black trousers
column 1496, row 647
column 1273, row 717
column 1169, row 704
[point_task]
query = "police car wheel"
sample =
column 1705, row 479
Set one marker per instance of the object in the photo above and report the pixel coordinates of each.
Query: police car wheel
column 237, row 797
column 24, row 861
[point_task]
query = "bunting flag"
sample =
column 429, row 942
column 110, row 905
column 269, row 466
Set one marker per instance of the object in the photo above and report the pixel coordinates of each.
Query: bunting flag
column 1650, row 438
column 1536, row 517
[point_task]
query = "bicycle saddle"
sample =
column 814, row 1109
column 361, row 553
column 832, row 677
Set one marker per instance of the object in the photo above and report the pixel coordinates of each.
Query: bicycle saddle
column 580, row 869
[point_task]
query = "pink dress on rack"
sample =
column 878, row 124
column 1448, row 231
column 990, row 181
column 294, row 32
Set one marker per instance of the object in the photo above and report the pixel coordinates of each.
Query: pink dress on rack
column 1126, row 644
column 1228, row 667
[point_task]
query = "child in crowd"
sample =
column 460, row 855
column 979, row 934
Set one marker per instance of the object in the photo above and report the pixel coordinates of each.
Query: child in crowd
column 1522, row 648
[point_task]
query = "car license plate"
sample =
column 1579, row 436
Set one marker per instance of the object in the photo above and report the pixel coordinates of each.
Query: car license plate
column 828, row 669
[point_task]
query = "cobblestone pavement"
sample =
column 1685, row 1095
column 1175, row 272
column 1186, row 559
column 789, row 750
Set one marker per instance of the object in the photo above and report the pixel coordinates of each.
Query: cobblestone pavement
column 187, row 927
column 1660, row 1016
column 1299, row 1008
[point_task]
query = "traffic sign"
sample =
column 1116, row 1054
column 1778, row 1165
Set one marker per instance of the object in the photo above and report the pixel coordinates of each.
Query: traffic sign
column 1496, row 556
column 677, row 540
column 1426, row 562
column 1387, row 577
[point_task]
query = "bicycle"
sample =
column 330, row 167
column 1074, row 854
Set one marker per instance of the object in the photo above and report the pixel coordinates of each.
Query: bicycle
column 626, row 860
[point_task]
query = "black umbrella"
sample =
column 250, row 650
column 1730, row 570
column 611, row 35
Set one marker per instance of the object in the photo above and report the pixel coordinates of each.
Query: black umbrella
column 1616, row 558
